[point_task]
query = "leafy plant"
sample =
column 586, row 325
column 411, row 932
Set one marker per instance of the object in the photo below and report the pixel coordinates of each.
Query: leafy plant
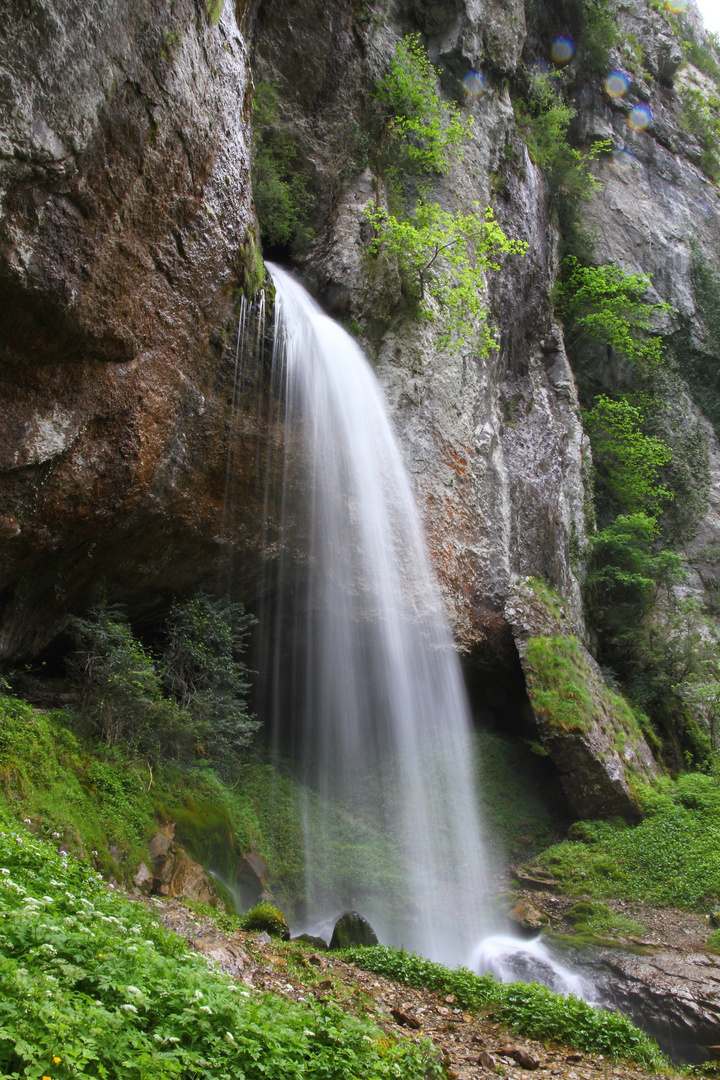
column 526, row 1007
column 444, row 259
column 121, row 691
column 91, row 985
column 629, row 461
column 543, row 118
column 204, row 671
column 421, row 132
column 671, row 858
column 280, row 186
column 610, row 305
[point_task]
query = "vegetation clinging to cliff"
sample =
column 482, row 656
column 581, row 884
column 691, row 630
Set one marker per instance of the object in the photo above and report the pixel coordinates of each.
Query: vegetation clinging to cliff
column 443, row 257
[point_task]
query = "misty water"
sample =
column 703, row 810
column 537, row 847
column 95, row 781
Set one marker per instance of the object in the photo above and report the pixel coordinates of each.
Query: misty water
column 367, row 678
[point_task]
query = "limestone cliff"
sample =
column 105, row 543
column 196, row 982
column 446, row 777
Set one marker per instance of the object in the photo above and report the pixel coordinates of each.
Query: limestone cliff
column 127, row 233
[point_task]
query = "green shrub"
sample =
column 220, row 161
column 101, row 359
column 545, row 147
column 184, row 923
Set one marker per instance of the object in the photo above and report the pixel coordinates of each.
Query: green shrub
column 204, row 671
column 528, row 1008
column 266, row 917
column 280, row 186
column 91, row 985
column 421, row 133
column 443, row 257
column 121, row 691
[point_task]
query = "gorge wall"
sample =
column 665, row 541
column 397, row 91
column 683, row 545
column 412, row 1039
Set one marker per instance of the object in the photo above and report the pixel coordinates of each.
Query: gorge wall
column 127, row 235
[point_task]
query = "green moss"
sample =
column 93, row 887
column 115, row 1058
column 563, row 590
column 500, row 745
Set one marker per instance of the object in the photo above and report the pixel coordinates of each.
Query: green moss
column 518, row 796
column 251, row 266
column 559, row 685
column 266, row 917
column 214, row 10
column 713, row 944
column 595, row 922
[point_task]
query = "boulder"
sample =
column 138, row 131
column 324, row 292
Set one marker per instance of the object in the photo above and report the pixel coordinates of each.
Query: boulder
column 143, row 879
column 311, row 939
column 352, row 929
column 586, row 727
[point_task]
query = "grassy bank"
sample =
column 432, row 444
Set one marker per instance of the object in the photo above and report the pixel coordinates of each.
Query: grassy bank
column 671, row 858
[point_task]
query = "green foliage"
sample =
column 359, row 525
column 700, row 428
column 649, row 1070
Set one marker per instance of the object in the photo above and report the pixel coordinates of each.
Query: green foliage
column 422, row 132
column 204, row 710
column 599, row 36
column 122, row 699
column 280, row 186
column 700, row 116
column 628, row 461
column 610, row 305
column 204, row 671
column 444, row 258
column 91, row 985
column 214, row 10
column 671, row 858
column 92, row 800
column 713, row 943
column 529, row 1009
column 543, row 118
column 266, row 917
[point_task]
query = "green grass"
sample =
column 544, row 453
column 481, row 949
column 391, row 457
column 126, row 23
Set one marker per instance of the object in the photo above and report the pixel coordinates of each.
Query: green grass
column 91, row 985
column 105, row 808
column 671, row 858
column 527, row 1008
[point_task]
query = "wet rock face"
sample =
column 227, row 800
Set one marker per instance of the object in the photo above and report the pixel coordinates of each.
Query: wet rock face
column 124, row 204
column 493, row 445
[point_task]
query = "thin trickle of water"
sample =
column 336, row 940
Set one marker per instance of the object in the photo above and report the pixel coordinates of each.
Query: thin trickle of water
column 366, row 676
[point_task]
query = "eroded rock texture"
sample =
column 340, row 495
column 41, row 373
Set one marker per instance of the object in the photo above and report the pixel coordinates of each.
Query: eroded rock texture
column 124, row 209
column 494, row 445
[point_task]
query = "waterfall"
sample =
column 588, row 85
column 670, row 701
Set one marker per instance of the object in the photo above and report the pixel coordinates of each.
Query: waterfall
column 368, row 682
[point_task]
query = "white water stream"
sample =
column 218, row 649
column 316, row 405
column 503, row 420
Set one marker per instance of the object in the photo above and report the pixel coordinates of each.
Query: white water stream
column 365, row 659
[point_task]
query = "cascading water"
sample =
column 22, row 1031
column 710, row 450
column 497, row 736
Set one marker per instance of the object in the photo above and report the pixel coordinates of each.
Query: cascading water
column 364, row 657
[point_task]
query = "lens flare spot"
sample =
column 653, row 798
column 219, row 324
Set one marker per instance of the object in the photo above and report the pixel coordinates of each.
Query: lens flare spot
column 474, row 83
column 562, row 50
column 640, row 118
column 623, row 159
column 616, row 84
column 676, row 7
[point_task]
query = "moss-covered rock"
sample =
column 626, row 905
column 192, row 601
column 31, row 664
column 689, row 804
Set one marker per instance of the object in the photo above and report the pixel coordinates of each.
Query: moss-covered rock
column 592, row 734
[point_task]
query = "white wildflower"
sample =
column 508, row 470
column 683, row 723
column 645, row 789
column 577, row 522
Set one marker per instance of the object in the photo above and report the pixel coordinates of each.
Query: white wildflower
column 133, row 990
column 48, row 949
column 128, row 1008
column 4, row 871
column 229, row 1038
column 197, row 996
column 205, row 1009
column 309, row 1033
